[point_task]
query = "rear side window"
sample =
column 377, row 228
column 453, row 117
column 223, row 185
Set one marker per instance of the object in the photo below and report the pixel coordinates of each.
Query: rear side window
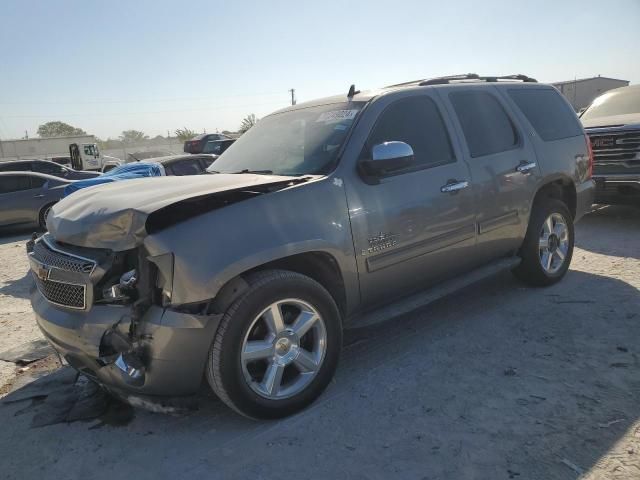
column 417, row 122
column 486, row 126
column 14, row 167
column 547, row 112
column 14, row 183
column 186, row 167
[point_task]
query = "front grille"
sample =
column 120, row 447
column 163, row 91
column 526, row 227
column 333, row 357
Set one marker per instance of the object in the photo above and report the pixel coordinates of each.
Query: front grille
column 61, row 277
column 616, row 152
column 64, row 294
column 44, row 254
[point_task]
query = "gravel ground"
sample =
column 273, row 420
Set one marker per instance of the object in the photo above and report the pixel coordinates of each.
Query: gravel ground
column 496, row 381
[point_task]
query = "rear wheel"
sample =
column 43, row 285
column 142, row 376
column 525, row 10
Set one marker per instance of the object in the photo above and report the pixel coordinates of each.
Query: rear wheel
column 548, row 246
column 277, row 346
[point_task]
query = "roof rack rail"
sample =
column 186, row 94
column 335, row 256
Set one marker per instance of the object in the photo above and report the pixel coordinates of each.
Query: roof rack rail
column 462, row 78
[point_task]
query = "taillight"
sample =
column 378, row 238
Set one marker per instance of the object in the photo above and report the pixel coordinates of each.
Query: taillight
column 590, row 149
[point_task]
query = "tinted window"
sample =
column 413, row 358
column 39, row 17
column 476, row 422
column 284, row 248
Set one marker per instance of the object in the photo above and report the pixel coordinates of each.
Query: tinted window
column 14, row 167
column 37, row 182
column 49, row 168
column 547, row 112
column 485, row 124
column 417, row 122
column 186, row 167
column 14, row 183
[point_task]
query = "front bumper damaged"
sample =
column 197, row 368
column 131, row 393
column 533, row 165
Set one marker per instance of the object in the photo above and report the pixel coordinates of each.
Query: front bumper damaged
column 167, row 359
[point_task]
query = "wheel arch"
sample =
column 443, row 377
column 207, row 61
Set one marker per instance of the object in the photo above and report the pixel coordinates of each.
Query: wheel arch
column 318, row 265
column 561, row 188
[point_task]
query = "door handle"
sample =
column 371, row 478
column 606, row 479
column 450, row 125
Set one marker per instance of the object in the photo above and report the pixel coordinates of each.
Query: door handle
column 40, row 195
column 525, row 167
column 454, row 186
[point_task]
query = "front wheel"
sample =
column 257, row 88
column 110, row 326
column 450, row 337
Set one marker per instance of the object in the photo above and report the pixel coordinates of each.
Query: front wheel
column 277, row 346
column 548, row 245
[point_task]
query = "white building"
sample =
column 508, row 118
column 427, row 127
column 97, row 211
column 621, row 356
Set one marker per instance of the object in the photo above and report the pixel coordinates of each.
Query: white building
column 582, row 91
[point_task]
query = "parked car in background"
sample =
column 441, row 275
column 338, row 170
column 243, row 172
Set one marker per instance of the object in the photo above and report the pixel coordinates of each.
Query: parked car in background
column 197, row 144
column 174, row 165
column 217, row 147
column 135, row 157
column 146, row 154
column 27, row 197
column 323, row 215
column 180, row 165
column 612, row 122
column 128, row 171
column 46, row 167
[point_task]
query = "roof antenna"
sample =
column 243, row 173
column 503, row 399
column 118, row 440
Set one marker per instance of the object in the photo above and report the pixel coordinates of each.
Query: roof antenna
column 352, row 92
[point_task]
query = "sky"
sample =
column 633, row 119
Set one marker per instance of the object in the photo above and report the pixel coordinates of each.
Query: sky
column 160, row 65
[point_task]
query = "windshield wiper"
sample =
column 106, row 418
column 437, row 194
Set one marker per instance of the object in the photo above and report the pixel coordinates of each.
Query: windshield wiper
column 259, row 172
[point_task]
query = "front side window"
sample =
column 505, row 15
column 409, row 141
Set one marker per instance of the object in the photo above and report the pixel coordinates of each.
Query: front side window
column 550, row 116
column 305, row 141
column 49, row 168
column 90, row 150
column 486, row 126
column 417, row 122
column 14, row 183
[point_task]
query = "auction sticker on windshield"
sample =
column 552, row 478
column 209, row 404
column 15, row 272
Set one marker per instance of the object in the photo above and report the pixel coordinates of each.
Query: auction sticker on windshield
column 337, row 116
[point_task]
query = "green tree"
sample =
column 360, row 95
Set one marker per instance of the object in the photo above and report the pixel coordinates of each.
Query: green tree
column 185, row 134
column 132, row 136
column 247, row 122
column 58, row 129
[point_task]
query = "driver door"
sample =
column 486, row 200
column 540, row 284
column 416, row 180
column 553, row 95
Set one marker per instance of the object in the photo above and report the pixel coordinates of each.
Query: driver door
column 415, row 226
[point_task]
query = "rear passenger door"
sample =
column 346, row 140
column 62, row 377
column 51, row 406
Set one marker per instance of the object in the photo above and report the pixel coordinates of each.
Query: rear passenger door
column 18, row 200
column 504, row 171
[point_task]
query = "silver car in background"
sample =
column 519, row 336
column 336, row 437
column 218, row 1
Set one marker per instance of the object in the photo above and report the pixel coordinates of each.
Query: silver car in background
column 27, row 197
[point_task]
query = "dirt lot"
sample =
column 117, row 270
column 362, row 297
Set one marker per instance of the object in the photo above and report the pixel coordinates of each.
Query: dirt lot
column 497, row 381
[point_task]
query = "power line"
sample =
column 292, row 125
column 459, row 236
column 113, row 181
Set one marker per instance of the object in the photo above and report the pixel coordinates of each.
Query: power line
column 144, row 100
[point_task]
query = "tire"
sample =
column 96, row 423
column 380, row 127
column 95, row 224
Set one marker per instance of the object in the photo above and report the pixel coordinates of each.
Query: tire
column 42, row 216
column 531, row 270
column 241, row 381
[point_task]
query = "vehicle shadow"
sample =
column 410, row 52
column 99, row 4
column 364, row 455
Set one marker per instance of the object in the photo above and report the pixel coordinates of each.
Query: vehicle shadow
column 12, row 235
column 512, row 382
column 611, row 230
column 18, row 288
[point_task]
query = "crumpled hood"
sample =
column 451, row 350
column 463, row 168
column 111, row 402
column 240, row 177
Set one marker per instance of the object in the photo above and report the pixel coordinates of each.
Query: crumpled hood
column 114, row 215
column 611, row 120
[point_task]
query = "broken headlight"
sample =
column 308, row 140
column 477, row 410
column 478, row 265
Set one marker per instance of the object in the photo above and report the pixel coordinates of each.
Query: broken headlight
column 124, row 290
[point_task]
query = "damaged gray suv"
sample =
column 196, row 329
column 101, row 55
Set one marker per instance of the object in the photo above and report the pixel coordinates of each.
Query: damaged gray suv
column 324, row 215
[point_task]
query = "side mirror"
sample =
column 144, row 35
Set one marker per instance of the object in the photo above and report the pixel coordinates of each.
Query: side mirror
column 388, row 157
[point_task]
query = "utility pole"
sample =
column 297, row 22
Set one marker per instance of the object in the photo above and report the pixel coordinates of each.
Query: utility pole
column 26, row 135
column 293, row 96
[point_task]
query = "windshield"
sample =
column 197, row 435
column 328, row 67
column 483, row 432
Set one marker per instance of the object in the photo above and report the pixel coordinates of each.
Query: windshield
column 297, row 142
column 617, row 102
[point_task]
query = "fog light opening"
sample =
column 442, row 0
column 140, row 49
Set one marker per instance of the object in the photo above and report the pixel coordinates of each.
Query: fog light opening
column 131, row 366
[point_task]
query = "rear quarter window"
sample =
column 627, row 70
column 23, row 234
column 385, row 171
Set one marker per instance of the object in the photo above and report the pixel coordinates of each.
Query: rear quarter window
column 548, row 113
column 486, row 126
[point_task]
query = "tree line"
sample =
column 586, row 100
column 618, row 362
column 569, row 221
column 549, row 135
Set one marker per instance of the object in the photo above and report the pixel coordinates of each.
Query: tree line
column 61, row 129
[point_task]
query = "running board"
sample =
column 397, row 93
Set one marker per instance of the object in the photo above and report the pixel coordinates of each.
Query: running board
column 438, row 291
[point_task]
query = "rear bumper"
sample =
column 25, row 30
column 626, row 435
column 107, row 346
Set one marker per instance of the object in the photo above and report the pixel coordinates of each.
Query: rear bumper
column 584, row 198
column 617, row 189
column 174, row 348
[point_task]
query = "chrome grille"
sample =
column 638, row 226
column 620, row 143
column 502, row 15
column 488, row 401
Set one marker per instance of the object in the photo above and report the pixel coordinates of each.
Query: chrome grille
column 65, row 294
column 617, row 149
column 44, row 254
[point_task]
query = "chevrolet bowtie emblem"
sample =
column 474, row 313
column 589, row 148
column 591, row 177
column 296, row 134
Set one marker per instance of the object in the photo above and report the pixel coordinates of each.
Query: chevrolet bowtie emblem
column 42, row 272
